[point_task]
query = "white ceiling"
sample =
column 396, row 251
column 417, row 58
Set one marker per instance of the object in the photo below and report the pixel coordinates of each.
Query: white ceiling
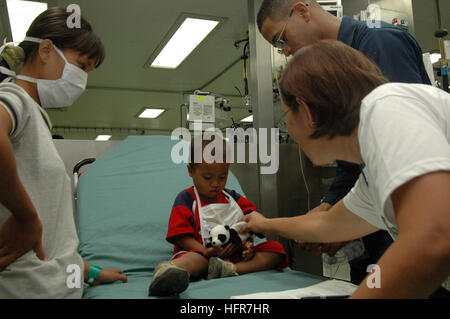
column 131, row 31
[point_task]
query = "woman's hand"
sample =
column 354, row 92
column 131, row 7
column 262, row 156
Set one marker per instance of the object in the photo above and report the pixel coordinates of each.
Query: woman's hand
column 256, row 223
column 17, row 237
column 107, row 276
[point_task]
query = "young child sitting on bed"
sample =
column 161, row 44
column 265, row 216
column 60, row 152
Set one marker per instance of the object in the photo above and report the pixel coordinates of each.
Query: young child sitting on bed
column 197, row 210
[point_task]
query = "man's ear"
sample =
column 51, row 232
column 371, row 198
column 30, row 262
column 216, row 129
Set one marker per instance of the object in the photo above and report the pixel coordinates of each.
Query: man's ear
column 44, row 50
column 302, row 9
column 309, row 116
column 189, row 167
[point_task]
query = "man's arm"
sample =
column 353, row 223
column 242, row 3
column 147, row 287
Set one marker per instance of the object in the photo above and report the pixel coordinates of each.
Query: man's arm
column 419, row 260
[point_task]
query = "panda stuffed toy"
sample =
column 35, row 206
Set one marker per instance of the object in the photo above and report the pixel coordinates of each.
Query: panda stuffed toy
column 222, row 235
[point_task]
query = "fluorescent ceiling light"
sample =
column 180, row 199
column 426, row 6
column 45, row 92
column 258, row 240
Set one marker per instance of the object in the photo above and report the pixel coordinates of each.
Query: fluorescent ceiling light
column 21, row 14
column 183, row 42
column 103, row 137
column 248, row 119
column 150, row 113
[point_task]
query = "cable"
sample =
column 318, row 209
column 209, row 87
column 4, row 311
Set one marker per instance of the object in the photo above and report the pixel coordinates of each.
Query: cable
column 245, row 57
column 238, row 91
column 181, row 114
column 303, row 174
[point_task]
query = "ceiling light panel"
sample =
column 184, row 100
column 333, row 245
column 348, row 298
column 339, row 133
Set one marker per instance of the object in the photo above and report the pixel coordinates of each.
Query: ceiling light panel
column 188, row 36
column 248, row 119
column 21, row 14
column 103, row 138
column 150, row 113
column 187, row 33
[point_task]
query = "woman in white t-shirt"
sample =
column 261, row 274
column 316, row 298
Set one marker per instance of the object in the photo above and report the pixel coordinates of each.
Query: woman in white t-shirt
column 338, row 106
column 38, row 239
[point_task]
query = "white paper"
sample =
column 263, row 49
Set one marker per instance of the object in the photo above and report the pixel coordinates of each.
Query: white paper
column 327, row 288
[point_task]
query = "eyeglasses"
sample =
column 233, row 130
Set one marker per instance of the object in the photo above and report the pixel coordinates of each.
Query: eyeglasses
column 280, row 43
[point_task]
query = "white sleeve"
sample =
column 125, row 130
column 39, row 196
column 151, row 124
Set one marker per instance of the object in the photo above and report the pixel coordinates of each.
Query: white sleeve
column 402, row 138
column 359, row 202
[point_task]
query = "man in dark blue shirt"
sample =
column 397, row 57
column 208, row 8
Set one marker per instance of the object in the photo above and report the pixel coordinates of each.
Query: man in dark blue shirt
column 292, row 24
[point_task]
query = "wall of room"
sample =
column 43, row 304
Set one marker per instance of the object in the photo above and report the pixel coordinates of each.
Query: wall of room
column 422, row 17
column 352, row 7
column 426, row 22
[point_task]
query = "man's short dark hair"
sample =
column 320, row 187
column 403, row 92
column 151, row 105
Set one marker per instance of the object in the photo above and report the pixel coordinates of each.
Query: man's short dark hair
column 276, row 9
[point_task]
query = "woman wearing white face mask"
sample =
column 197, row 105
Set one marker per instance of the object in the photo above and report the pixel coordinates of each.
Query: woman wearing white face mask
column 38, row 240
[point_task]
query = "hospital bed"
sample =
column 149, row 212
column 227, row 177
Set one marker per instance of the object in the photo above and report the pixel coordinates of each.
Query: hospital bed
column 124, row 199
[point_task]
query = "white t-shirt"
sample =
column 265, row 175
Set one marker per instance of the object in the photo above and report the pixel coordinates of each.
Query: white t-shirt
column 404, row 132
column 44, row 177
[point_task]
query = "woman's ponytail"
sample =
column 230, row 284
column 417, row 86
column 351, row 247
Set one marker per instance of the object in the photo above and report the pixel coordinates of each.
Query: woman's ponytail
column 11, row 58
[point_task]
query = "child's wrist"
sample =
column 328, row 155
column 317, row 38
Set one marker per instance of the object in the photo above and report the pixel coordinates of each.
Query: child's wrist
column 93, row 274
column 208, row 252
column 211, row 252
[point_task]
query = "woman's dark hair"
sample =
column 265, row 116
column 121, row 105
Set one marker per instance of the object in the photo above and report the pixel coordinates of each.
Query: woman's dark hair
column 52, row 24
column 332, row 78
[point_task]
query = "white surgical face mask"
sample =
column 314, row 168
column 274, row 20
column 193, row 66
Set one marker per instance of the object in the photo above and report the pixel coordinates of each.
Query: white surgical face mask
column 62, row 92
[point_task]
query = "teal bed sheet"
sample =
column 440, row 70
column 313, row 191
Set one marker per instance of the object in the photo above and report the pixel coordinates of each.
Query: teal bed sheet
column 123, row 208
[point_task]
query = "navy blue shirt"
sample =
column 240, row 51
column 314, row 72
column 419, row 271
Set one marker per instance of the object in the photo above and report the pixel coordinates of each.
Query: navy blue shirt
column 399, row 57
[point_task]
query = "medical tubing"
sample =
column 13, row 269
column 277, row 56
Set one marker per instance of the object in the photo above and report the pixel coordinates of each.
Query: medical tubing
column 303, row 175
